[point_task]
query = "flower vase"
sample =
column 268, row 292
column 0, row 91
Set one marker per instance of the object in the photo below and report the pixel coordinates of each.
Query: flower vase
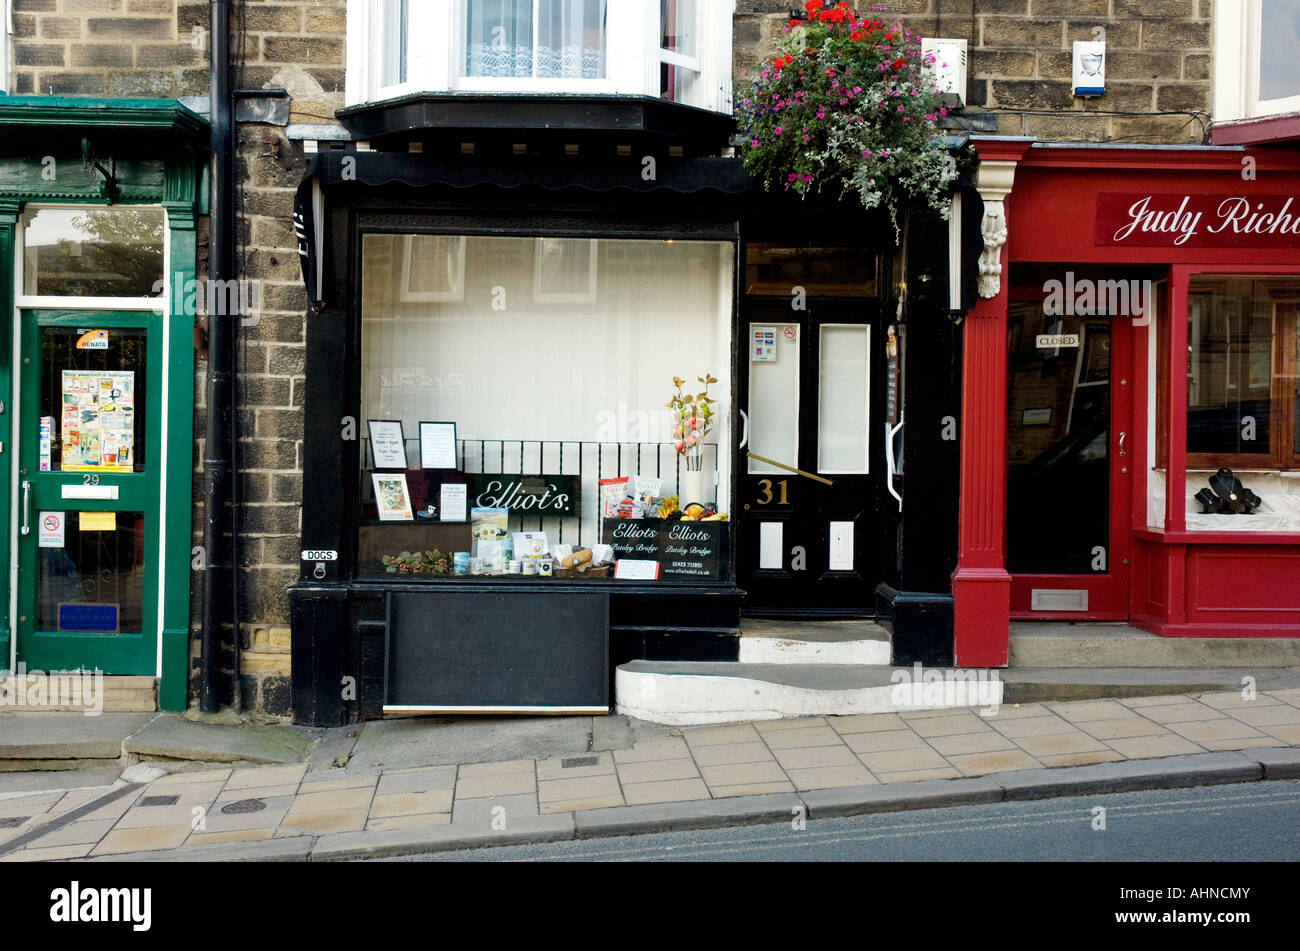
column 693, row 487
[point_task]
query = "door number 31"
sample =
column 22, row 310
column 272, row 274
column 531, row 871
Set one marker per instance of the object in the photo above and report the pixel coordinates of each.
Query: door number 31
column 765, row 497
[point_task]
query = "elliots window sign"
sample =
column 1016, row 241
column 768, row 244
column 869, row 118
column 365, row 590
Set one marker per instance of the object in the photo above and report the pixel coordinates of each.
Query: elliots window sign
column 1198, row 221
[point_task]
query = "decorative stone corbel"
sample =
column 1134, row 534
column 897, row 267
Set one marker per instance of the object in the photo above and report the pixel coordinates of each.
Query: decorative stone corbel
column 994, row 179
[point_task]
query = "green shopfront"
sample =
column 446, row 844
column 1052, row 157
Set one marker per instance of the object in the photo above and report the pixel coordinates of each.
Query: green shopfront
column 99, row 201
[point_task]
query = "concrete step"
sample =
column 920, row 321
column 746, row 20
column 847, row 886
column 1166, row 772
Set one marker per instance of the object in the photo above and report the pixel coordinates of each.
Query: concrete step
column 55, row 693
column 64, row 740
column 1098, row 644
column 681, row 693
column 813, row 642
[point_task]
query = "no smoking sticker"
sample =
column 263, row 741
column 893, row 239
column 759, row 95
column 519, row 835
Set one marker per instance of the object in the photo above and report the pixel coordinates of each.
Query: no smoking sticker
column 52, row 525
column 790, row 333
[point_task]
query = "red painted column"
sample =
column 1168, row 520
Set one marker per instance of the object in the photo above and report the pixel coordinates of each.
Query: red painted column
column 981, row 586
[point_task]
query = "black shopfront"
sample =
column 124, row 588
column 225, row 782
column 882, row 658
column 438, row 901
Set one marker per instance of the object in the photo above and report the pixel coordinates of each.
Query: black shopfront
column 502, row 297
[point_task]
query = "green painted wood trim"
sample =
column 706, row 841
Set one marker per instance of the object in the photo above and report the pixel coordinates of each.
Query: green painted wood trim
column 173, row 689
column 163, row 115
column 177, row 574
column 8, row 229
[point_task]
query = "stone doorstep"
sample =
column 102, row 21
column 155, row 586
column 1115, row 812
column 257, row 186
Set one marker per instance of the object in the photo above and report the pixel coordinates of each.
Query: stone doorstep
column 118, row 694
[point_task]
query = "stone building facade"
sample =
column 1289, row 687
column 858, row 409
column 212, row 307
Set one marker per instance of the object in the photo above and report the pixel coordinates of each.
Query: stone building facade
column 1158, row 72
column 1158, row 90
column 159, row 48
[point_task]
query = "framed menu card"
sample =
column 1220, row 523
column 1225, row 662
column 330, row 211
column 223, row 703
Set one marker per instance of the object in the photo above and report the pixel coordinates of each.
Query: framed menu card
column 387, row 444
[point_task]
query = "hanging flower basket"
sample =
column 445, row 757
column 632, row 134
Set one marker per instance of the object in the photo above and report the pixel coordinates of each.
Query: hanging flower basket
column 845, row 103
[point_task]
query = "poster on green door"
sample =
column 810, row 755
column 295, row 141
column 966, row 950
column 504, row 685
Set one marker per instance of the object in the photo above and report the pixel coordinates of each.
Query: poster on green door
column 98, row 425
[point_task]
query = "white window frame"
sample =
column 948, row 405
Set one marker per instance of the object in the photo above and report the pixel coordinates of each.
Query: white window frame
column 436, row 53
column 6, row 38
column 615, row 26
column 566, row 297
column 457, row 290
column 1237, row 32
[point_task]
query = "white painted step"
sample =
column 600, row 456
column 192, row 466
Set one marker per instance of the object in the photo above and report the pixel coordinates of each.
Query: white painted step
column 813, row 642
column 686, row 693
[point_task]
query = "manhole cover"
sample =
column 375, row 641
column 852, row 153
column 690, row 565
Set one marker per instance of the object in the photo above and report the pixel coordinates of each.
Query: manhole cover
column 574, row 761
column 12, row 822
column 159, row 801
column 243, row 805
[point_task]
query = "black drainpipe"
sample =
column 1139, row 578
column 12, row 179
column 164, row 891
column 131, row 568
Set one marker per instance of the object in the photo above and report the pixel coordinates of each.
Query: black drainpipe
column 216, row 461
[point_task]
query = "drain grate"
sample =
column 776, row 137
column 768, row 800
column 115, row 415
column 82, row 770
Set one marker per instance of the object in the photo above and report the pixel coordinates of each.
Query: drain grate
column 12, row 822
column 242, row 806
column 575, row 761
column 159, row 801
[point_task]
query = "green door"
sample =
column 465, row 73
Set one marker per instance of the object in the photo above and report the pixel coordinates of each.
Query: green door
column 87, row 490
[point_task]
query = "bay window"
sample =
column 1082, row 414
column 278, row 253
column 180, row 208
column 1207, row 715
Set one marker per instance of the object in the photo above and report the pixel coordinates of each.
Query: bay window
column 678, row 50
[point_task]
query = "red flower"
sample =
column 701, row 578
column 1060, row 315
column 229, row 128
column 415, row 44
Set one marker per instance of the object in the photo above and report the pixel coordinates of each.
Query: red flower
column 898, row 64
column 812, row 5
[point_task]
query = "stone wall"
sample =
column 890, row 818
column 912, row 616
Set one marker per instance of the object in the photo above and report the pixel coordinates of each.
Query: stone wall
column 1158, row 71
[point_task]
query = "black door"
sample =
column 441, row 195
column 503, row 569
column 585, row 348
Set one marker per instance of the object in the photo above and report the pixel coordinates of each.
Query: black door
column 811, row 453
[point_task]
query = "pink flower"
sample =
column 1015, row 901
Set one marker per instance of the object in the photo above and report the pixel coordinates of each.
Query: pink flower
column 690, row 441
column 678, row 446
column 778, row 130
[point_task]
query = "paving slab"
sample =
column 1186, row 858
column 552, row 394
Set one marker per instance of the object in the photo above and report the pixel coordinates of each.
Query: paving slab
column 291, row 849
column 345, row 846
column 921, row 794
column 39, row 780
column 442, row 741
column 696, row 814
column 67, row 736
column 1198, row 769
column 174, row 737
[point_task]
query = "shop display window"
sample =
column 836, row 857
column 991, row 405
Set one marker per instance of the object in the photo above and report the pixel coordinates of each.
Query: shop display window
column 1242, row 409
column 1241, row 372
column 531, row 408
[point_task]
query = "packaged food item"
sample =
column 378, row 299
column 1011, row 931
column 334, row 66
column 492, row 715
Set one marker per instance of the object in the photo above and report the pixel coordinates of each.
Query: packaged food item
column 602, row 554
column 530, row 545
column 516, row 566
column 530, row 566
column 612, row 492
column 545, row 568
column 645, row 489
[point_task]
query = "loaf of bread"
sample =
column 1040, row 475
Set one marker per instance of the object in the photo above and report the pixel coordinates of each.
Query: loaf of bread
column 580, row 557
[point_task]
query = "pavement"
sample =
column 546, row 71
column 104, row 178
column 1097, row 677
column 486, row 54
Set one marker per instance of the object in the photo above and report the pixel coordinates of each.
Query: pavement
column 588, row 777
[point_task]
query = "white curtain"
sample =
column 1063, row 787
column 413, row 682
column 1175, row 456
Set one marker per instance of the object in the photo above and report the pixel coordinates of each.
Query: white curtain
column 570, row 38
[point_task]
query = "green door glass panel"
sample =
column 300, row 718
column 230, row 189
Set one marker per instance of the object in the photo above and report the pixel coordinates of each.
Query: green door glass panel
column 88, row 488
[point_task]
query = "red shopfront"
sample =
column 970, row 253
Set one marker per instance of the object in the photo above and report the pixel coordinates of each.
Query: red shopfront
column 1141, row 332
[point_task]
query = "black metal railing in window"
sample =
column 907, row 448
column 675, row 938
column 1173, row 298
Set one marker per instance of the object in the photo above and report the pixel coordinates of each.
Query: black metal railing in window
column 589, row 461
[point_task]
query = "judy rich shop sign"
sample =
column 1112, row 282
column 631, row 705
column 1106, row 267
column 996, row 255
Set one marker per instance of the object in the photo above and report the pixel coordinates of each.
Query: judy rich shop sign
column 1198, row 221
